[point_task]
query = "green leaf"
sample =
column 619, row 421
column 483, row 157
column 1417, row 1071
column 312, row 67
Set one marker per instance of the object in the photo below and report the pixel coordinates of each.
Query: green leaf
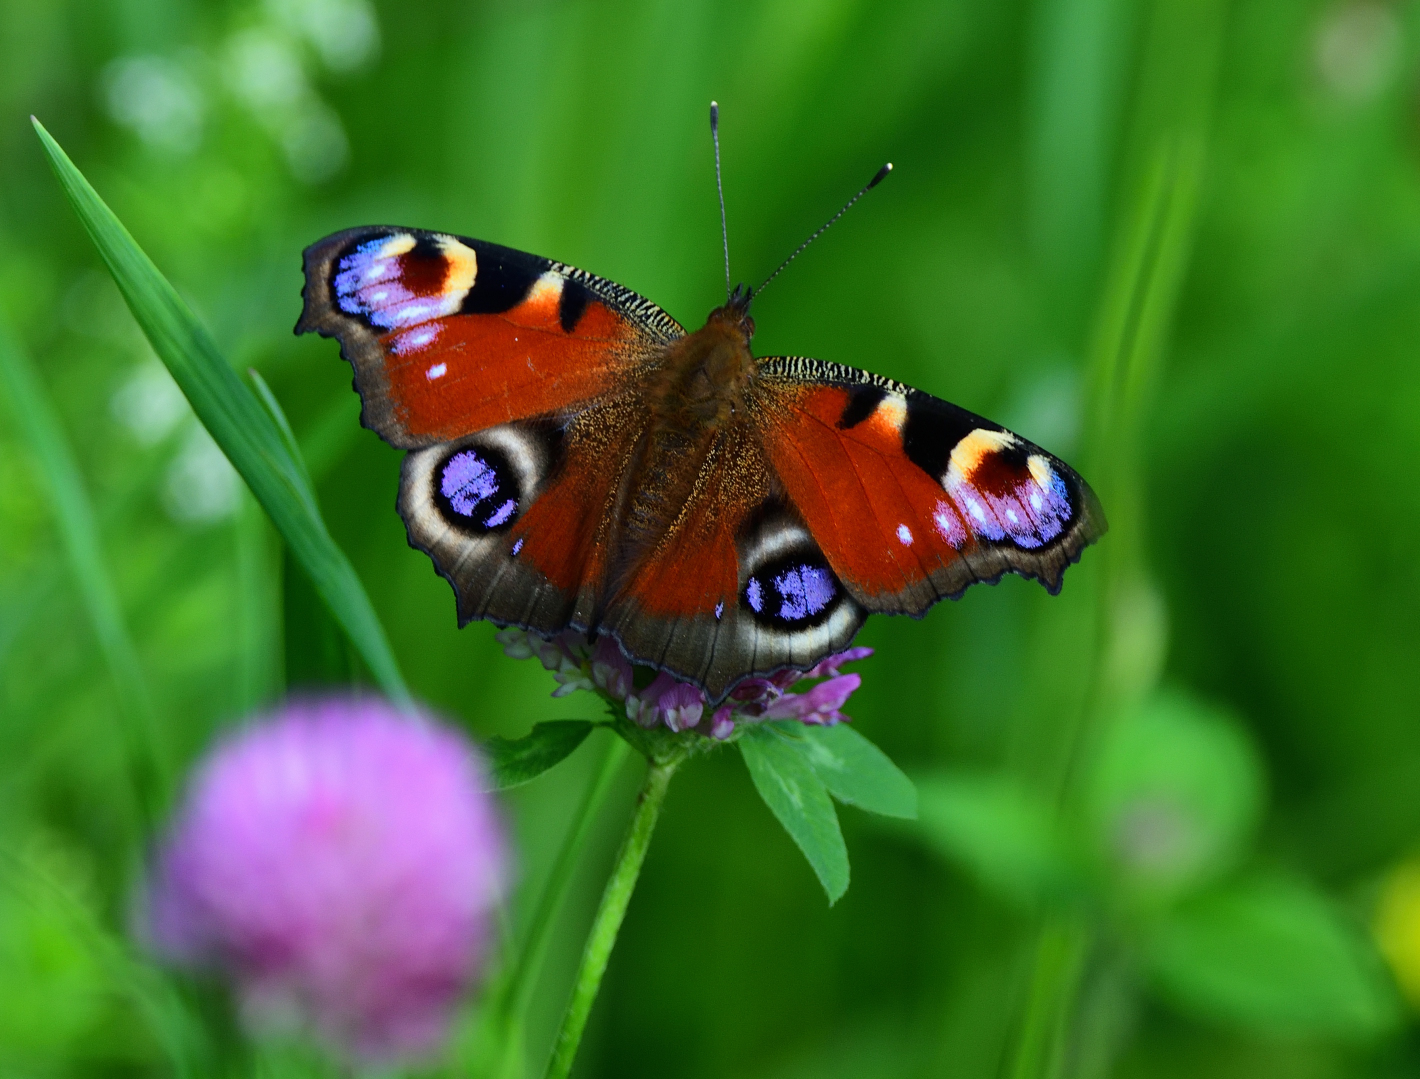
column 796, row 795
column 1173, row 797
column 1272, row 955
column 853, row 769
column 513, row 761
column 278, row 417
column 1000, row 832
column 237, row 421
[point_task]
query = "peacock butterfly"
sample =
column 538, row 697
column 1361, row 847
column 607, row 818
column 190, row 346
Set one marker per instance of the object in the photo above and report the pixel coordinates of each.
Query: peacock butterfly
column 577, row 460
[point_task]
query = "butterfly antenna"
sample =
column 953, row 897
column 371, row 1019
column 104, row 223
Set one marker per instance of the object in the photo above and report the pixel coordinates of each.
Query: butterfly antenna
column 720, row 187
column 878, row 178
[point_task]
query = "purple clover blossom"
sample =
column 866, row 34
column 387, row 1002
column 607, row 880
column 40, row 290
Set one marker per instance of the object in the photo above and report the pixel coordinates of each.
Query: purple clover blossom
column 819, row 705
column 679, row 705
column 602, row 667
column 339, row 862
column 611, row 670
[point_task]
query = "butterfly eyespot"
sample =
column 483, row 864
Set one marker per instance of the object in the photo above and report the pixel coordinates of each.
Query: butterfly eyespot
column 797, row 589
column 477, row 489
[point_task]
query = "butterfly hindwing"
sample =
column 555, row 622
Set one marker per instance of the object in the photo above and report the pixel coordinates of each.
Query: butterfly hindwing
column 912, row 498
column 515, row 516
column 737, row 586
column 449, row 335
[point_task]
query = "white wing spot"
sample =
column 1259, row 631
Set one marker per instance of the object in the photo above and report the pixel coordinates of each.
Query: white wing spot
column 437, row 371
column 1035, row 501
column 904, row 535
column 416, row 312
column 1012, row 516
column 976, row 510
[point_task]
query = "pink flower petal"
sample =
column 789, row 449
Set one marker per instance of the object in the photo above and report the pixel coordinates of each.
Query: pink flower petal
column 821, row 700
column 829, row 667
column 611, row 670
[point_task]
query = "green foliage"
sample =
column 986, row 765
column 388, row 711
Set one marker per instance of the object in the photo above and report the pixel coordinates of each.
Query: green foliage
column 786, row 779
column 795, row 767
column 855, row 771
column 53, row 991
column 1170, row 799
column 253, row 435
column 1003, row 833
column 1174, row 241
column 1173, row 797
column 60, row 479
column 1275, row 955
column 512, row 761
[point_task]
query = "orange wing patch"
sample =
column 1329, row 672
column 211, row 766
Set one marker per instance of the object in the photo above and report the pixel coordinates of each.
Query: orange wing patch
column 449, row 335
column 885, row 526
column 913, row 499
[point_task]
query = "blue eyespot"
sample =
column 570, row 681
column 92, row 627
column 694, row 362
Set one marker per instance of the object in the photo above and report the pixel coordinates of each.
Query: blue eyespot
column 477, row 490
column 804, row 591
column 796, row 590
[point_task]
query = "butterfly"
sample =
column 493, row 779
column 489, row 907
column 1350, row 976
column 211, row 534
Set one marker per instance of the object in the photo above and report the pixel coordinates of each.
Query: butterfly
column 578, row 460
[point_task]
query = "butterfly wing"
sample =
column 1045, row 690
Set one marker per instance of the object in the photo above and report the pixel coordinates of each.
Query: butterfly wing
column 449, row 335
column 511, row 378
column 840, row 494
column 911, row 498
column 737, row 586
column 516, row 383
column 515, row 517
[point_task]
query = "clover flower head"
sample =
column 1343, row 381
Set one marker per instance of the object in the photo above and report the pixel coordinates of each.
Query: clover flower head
column 679, row 705
column 599, row 664
column 338, row 861
column 611, row 670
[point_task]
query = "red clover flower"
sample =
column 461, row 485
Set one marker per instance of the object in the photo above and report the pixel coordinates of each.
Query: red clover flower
column 600, row 665
column 339, row 862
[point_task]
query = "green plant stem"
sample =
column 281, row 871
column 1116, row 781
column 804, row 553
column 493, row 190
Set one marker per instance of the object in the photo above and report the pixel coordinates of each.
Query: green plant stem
column 518, row 993
column 1055, row 973
column 610, row 913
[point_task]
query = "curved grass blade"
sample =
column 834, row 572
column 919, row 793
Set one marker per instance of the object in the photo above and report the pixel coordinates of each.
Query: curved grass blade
column 237, row 421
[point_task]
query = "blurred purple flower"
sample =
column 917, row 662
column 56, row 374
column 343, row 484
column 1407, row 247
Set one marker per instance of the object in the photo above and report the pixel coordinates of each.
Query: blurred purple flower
column 602, row 667
column 338, row 861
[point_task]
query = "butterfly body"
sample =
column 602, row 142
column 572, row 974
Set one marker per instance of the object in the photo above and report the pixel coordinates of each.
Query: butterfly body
column 577, row 460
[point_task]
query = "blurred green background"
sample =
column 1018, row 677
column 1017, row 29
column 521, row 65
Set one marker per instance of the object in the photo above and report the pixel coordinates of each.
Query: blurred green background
column 1167, row 818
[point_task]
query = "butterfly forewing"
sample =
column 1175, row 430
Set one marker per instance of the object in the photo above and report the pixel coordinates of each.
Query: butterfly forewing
column 449, row 335
column 912, row 498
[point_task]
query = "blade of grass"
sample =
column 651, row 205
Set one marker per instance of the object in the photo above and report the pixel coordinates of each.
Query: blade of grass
column 74, row 514
column 278, row 417
column 237, row 421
